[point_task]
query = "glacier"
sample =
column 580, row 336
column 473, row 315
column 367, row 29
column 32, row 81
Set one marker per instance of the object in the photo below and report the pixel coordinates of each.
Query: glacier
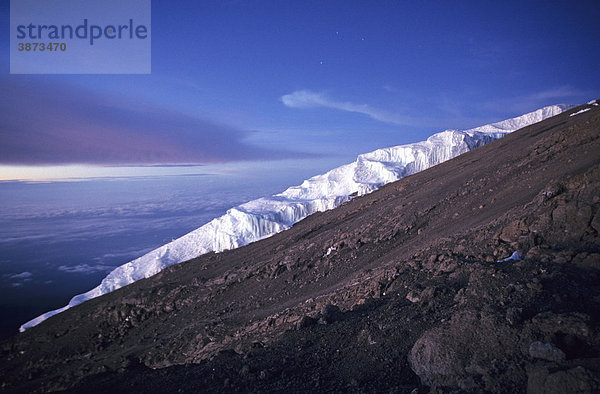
column 266, row 216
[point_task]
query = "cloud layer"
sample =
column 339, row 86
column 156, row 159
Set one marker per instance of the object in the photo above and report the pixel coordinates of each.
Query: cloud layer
column 58, row 124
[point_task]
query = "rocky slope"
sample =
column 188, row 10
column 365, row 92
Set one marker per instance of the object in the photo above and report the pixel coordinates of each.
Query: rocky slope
column 264, row 217
column 397, row 290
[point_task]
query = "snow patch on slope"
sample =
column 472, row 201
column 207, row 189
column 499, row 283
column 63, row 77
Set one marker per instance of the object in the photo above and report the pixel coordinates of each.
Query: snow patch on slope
column 264, row 217
column 580, row 112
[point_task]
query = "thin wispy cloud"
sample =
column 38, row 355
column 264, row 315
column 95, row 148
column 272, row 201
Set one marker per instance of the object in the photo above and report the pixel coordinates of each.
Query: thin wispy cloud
column 449, row 114
column 557, row 93
column 310, row 99
column 537, row 99
column 22, row 275
column 18, row 279
column 85, row 268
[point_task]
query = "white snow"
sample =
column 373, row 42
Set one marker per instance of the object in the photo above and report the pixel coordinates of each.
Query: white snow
column 593, row 102
column 264, row 217
column 515, row 256
column 329, row 250
column 580, row 112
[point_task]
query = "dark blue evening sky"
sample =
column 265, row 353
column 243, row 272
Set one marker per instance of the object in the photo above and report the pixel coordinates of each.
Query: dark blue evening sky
column 260, row 80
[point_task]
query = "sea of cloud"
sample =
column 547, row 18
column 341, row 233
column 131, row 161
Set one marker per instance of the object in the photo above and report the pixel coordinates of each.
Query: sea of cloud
column 58, row 239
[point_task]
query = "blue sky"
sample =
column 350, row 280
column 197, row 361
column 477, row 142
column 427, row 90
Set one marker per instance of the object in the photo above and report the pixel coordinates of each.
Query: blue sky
column 253, row 81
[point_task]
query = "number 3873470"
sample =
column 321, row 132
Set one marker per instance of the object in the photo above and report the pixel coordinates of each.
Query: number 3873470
column 42, row 47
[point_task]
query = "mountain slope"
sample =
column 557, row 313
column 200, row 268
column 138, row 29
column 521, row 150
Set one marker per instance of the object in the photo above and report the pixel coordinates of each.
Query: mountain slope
column 264, row 217
column 391, row 290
